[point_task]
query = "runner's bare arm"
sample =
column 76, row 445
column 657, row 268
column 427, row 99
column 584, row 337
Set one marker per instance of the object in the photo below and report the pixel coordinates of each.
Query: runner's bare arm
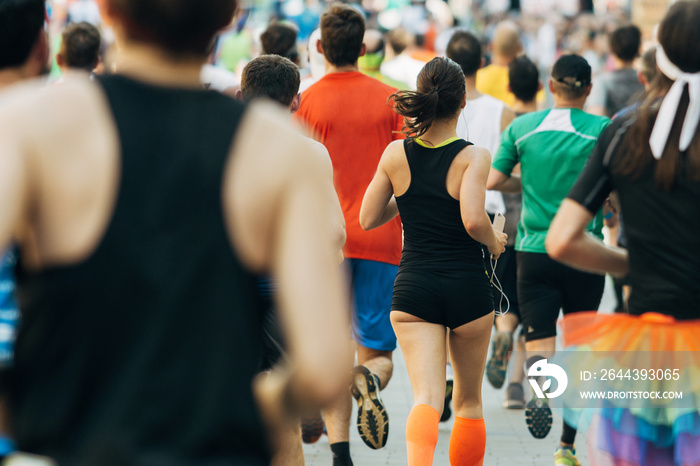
column 13, row 198
column 277, row 200
column 499, row 181
column 379, row 204
column 472, row 197
column 13, row 178
column 568, row 242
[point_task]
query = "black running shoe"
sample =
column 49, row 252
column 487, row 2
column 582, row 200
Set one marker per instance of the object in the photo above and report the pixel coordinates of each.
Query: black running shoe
column 538, row 417
column 498, row 362
column 372, row 418
column 312, row 428
column 447, row 411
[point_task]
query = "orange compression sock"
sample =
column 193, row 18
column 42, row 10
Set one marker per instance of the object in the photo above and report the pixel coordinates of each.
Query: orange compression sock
column 422, row 435
column 467, row 442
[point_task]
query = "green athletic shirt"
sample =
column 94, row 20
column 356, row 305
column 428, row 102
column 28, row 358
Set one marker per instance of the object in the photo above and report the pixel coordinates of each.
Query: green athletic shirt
column 552, row 147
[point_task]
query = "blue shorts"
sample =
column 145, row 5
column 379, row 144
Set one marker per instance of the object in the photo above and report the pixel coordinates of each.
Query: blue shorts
column 372, row 287
column 9, row 314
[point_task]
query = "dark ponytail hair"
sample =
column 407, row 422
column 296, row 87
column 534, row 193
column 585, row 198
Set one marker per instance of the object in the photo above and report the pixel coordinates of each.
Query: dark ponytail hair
column 679, row 35
column 440, row 91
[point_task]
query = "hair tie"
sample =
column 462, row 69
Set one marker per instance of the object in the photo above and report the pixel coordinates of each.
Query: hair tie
column 435, row 89
column 669, row 106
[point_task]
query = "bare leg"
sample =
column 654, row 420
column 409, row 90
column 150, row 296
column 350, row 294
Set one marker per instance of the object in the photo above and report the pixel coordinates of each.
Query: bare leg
column 447, row 347
column 544, row 347
column 336, row 417
column 378, row 362
column 507, row 323
column 423, row 346
column 290, row 451
column 468, row 347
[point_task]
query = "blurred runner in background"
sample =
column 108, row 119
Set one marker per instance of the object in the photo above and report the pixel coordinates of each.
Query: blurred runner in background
column 144, row 216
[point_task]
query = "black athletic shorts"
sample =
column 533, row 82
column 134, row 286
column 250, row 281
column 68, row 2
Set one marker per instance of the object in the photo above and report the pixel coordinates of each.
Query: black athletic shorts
column 545, row 286
column 273, row 343
column 447, row 297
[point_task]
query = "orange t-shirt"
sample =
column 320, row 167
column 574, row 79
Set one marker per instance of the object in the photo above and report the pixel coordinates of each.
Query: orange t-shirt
column 348, row 113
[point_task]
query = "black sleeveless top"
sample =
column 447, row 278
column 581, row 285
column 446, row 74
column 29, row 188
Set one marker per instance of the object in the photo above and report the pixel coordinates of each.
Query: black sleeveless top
column 143, row 354
column 434, row 234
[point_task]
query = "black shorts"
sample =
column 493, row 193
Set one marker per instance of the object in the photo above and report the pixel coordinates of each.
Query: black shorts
column 447, row 297
column 273, row 343
column 545, row 286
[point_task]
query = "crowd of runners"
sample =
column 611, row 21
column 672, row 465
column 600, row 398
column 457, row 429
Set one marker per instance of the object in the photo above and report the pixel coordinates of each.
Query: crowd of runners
column 208, row 237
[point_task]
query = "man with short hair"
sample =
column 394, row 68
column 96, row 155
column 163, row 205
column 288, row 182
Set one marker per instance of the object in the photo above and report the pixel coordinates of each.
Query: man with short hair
column 348, row 113
column 276, row 78
column 272, row 77
column 280, row 39
column 614, row 91
column 524, row 83
column 552, row 147
column 80, row 48
column 505, row 46
column 647, row 75
column 24, row 53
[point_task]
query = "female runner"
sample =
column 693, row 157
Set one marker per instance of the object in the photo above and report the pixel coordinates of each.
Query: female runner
column 652, row 160
column 437, row 182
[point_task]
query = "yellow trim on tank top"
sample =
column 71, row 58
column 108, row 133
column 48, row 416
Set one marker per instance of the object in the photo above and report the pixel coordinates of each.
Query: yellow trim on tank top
column 442, row 144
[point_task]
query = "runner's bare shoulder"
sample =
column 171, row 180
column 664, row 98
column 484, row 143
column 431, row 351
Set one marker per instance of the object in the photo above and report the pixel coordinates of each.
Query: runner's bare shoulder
column 394, row 155
column 270, row 147
column 475, row 153
column 55, row 119
column 269, row 162
column 59, row 104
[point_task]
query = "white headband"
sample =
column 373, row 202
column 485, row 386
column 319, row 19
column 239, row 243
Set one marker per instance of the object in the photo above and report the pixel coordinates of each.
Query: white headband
column 669, row 106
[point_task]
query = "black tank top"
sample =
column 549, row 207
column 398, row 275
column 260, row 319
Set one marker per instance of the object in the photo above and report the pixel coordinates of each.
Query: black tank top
column 434, row 234
column 143, row 354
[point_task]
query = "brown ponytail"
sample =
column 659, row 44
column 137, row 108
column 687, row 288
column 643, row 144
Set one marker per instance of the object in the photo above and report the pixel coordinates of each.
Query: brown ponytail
column 440, row 91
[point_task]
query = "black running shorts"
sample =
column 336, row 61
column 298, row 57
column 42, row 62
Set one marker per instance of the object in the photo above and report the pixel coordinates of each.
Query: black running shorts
column 545, row 286
column 450, row 297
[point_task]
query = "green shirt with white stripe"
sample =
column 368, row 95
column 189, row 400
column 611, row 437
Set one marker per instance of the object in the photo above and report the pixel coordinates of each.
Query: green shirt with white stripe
column 552, row 147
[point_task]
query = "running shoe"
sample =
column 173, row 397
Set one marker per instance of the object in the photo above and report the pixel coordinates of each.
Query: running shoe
column 312, row 428
column 515, row 396
column 566, row 456
column 498, row 362
column 447, row 411
column 538, row 417
column 372, row 418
